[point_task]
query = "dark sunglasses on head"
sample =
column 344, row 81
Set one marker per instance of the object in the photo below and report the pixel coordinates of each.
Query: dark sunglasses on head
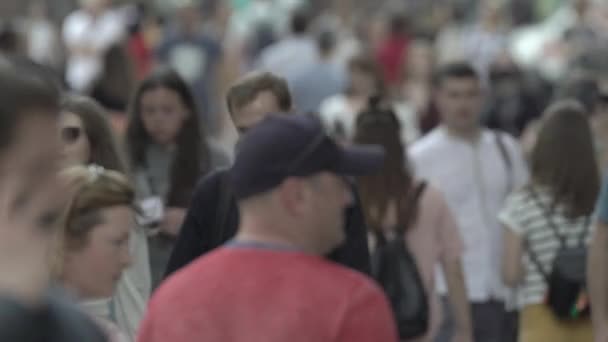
column 70, row 134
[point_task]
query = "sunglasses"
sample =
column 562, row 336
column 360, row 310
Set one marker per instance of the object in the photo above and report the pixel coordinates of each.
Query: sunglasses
column 70, row 134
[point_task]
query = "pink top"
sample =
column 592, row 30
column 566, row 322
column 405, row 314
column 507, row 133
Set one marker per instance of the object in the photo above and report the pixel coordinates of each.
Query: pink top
column 433, row 239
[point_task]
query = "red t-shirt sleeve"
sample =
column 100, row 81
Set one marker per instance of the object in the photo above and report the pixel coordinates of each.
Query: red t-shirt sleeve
column 368, row 318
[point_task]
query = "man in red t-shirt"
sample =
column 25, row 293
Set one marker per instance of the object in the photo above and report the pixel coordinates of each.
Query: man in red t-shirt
column 271, row 283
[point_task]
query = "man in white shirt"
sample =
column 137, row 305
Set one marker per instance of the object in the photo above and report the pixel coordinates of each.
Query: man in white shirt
column 476, row 169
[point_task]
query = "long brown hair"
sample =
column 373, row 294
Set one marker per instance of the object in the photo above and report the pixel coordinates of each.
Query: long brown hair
column 192, row 156
column 394, row 182
column 104, row 146
column 564, row 160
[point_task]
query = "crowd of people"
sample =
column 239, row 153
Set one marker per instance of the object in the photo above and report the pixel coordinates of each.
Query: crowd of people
column 300, row 170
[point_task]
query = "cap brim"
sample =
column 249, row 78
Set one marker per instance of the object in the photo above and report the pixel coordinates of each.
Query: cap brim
column 360, row 160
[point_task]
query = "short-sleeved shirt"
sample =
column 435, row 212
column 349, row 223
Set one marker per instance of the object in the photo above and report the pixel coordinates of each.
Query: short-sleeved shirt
column 602, row 204
column 267, row 295
column 527, row 216
column 475, row 180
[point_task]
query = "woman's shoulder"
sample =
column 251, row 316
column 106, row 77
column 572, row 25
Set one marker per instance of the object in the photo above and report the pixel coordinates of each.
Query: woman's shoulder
column 431, row 197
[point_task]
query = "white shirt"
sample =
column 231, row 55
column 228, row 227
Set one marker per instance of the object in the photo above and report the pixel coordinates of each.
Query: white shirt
column 475, row 181
column 99, row 34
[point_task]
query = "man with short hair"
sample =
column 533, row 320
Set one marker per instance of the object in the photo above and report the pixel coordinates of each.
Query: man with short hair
column 31, row 203
column 476, row 169
column 269, row 283
column 213, row 216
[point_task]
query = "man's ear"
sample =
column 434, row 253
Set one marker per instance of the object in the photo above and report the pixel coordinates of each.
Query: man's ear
column 292, row 194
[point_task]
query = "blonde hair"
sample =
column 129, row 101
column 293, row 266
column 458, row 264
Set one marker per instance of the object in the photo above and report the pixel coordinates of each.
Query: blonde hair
column 93, row 189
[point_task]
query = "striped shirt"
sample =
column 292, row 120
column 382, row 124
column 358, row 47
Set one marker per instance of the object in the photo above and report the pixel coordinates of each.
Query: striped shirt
column 524, row 216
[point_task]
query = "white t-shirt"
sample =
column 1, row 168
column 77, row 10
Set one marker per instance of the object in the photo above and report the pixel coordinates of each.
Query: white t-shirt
column 96, row 33
column 527, row 216
column 475, row 180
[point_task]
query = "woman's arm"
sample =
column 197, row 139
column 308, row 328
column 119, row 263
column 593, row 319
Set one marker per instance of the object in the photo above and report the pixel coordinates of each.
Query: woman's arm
column 512, row 268
column 596, row 281
column 457, row 295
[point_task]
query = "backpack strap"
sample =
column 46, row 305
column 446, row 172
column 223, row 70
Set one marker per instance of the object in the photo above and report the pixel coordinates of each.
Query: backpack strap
column 547, row 215
column 411, row 202
column 533, row 256
column 223, row 209
column 504, row 153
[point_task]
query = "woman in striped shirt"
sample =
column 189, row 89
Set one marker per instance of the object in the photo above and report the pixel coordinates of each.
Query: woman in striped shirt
column 559, row 199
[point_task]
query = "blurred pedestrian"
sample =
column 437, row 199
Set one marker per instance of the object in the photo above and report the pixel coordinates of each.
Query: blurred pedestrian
column 94, row 243
column 552, row 213
column 31, row 205
column 394, row 50
column 288, row 180
column 88, row 139
column 431, row 232
column 339, row 112
column 43, row 40
column 475, row 169
column 196, row 56
column 320, row 79
column 213, row 216
column 290, row 55
column 88, row 33
column 167, row 153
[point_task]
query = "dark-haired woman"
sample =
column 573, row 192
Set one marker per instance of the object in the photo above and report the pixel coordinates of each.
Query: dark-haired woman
column 431, row 231
column 168, row 153
column 553, row 209
column 87, row 135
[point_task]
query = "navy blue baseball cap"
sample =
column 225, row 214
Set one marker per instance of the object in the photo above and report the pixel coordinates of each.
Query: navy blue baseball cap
column 288, row 145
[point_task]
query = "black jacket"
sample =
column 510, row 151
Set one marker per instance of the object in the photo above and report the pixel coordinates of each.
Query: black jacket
column 201, row 233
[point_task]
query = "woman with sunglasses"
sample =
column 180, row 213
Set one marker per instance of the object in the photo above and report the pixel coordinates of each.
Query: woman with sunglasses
column 168, row 152
column 88, row 139
column 87, row 135
column 431, row 232
column 93, row 246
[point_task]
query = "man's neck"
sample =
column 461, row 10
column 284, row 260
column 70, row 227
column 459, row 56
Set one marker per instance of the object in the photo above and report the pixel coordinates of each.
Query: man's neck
column 268, row 233
column 471, row 135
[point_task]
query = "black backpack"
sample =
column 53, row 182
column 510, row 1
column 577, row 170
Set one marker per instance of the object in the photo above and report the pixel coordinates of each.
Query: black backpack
column 394, row 268
column 566, row 293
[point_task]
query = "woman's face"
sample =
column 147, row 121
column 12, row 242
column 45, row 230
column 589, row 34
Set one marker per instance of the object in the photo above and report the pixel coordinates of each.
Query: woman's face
column 76, row 145
column 93, row 270
column 163, row 114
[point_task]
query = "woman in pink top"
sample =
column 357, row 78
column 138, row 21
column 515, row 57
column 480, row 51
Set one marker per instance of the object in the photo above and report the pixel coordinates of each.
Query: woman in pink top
column 432, row 235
